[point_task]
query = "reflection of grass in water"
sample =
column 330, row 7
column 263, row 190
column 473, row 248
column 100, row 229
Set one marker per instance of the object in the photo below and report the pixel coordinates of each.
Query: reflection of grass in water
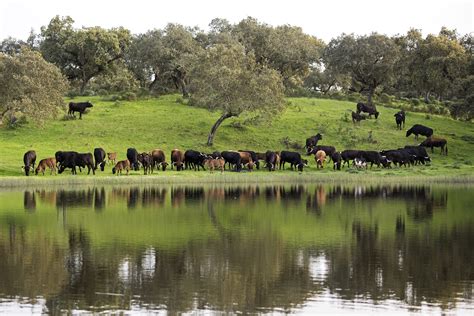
column 420, row 175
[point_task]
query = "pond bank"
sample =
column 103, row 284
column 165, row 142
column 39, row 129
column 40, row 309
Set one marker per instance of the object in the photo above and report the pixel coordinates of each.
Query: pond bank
column 234, row 178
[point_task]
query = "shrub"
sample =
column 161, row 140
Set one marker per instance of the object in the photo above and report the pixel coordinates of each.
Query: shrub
column 13, row 122
column 415, row 101
column 385, row 98
column 112, row 97
column 128, row 96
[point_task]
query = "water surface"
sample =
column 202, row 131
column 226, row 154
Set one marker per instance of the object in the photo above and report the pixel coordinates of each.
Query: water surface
column 238, row 249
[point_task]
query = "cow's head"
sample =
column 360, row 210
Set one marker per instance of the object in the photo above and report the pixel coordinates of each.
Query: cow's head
column 88, row 104
column 376, row 114
column 301, row 166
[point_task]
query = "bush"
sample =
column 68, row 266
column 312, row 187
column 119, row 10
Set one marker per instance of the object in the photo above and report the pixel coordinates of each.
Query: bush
column 415, row 101
column 288, row 143
column 386, row 99
column 13, row 122
column 128, row 96
column 111, row 98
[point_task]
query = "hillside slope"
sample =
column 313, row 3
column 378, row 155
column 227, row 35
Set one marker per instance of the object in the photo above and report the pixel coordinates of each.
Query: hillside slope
column 164, row 123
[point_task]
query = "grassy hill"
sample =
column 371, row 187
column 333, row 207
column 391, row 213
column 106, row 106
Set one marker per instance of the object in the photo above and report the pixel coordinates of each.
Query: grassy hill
column 165, row 123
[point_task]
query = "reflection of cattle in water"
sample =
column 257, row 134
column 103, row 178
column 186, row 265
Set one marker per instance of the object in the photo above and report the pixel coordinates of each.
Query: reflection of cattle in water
column 75, row 198
column 153, row 196
column 316, row 200
column 177, row 197
column 29, row 200
column 99, row 198
column 47, row 197
column 292, row 194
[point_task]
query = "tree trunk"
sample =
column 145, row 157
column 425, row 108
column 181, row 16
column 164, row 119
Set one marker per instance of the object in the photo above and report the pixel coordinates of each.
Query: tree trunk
column 210, row 138
column 152, row 84
column 184, row 89
column 369, row 97
column 427, row 97
column 83, row 85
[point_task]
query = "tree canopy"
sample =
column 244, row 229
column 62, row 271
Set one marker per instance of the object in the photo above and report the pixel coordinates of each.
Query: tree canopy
column 30, row 86
column 82, row 54
column 228, row 80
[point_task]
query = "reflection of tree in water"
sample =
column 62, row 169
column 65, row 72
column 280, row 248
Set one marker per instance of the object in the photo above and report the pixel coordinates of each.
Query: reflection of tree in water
column 238, row 271
column 414, row 268
column 28, row 269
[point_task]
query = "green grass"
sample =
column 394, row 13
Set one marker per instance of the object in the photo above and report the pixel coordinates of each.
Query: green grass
column 164, row 123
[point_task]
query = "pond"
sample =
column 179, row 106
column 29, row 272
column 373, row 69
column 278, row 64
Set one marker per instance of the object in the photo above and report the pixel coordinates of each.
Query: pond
column 302, row 249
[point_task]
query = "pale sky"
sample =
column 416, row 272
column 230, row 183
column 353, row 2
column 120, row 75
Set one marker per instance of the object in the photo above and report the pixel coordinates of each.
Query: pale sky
column 323, row 19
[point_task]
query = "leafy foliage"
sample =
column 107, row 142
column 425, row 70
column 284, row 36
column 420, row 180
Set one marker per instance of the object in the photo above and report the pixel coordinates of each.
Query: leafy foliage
column 30, row 86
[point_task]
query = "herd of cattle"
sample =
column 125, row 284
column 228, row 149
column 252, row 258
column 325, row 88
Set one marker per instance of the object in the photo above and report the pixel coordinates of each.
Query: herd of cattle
column 242, row 159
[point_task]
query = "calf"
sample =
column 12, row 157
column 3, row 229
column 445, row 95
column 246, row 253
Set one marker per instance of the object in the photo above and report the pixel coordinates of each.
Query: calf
column 78, row 107
column 121, row 165
column 356, row 117
column 419, row 129
column 29, row 159
column 371, row 110
column 336, row 158
column 194, row 159
column 111, row 157
column 177, row 159
column 436, row 142
column 158, row 160
column 99, row 157
column 146, row 161
column 294, row 159
column 233, row 158
column 320, row 157
column 46, row 163
column 215, row 163
column 132, row 156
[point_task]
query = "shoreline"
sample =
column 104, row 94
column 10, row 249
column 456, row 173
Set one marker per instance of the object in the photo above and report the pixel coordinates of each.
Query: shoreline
column 233, row 178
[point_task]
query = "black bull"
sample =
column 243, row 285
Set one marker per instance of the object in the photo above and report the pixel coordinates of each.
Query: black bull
column 78, row 107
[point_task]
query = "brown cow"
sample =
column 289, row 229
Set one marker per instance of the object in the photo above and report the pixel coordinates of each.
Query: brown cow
column 212, row 164
column 177, row 159
column 121, row 165
column 436, row 142
column 320, row 157
column 246, row 160
column 159, row 160
column 111, row 157
column 46, row 163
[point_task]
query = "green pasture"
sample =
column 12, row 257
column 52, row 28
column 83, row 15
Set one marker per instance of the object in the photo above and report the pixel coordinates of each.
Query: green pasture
column 167, row 123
